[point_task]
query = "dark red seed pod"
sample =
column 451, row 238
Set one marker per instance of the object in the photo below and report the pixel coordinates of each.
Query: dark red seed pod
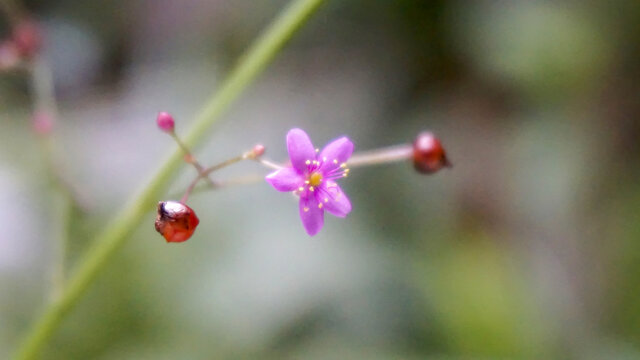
column 428, row 154
column 176, row 221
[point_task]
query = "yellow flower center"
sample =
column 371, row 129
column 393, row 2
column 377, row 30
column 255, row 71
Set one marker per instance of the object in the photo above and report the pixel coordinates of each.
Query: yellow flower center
column 315, row 179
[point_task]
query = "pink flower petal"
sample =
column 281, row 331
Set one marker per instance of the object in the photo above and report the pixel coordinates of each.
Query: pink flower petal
column 286, row 179
column 336, row 203
column 335, row 153
column 300, row 149
column 311, row 215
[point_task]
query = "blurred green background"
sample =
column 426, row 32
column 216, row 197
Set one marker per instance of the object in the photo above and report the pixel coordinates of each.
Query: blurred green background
column 528, row 248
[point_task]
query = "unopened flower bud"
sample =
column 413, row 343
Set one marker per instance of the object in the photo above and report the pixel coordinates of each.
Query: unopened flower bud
column 428, row 154
column 27, row 38
column 165, row 122
column 42, row 123
column 176, row 222
column 258, row 150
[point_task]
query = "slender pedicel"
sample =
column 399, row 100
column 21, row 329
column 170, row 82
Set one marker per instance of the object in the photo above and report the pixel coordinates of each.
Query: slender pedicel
column 269, row 164
column 167, row 124
column 253, row 154
column 381, row 156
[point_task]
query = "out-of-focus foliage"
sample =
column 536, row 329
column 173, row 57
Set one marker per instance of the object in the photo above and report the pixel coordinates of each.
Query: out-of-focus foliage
column 528, row 248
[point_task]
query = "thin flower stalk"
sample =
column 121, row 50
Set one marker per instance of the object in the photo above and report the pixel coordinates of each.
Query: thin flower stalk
column 190, row 159
column 386, row 155
column 205, row 173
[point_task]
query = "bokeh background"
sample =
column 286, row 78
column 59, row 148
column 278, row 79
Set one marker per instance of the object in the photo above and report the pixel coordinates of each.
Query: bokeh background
column 528, row 248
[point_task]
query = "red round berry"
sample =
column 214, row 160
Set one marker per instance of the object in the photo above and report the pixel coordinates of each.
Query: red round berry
column 176, row 221
column 428, row 154
column 165, row 122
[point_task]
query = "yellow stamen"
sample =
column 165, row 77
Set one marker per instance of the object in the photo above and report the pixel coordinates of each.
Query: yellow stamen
column 305, row 209
column 315, row 179
column 308, row 162
column 320, row 206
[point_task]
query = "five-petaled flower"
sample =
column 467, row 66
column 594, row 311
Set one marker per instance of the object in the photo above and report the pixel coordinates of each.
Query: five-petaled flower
column 312, row 177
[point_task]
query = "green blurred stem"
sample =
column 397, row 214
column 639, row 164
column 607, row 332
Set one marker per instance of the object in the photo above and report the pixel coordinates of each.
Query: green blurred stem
column 257, row 57
column 65, row 196
column 62, row 206
column 63, row 209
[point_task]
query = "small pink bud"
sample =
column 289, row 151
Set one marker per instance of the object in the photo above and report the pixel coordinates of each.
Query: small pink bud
column 165, row 122
column 42, row 123
column 258, row 150
column 27, row 38
column 428, row 154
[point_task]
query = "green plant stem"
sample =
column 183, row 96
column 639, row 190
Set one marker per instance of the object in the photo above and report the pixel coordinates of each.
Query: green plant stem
column 63, row 203
column 65, row 196
column 63, row 209
column 107, row 242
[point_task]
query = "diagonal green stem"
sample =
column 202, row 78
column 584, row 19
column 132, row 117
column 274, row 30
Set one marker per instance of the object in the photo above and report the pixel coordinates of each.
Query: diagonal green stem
column 257, row 57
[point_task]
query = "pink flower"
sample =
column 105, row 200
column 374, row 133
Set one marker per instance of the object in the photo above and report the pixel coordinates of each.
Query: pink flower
column 312, row 177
